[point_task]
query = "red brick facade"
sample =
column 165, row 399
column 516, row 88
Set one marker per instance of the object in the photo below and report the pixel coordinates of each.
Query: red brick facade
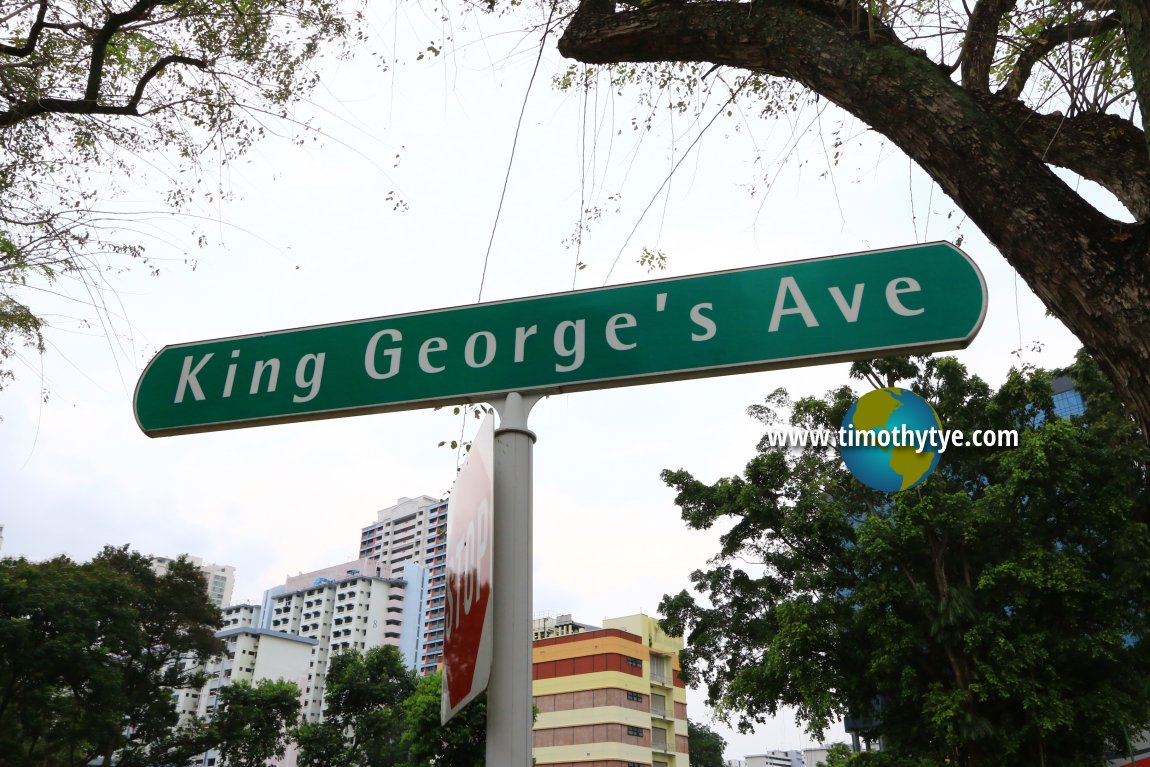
column 608, row 696
column 588, row 664
column 579, row 735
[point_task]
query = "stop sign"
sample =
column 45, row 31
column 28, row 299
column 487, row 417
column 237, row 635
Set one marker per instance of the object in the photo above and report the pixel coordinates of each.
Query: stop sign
column 467, row 641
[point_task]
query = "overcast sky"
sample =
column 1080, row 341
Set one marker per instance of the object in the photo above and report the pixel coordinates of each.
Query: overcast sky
column 311, row 237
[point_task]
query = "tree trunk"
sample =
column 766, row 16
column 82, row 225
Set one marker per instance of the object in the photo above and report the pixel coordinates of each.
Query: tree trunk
column 985, row 151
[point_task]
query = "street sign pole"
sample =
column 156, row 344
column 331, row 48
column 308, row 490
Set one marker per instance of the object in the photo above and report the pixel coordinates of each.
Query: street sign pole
column 509, row 699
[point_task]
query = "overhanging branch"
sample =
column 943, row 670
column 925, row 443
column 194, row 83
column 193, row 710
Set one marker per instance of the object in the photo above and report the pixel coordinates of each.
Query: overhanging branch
column 980, row 42
column 48, row 105
column 156, row 69
column 1049, row 39
column 1103, row 148
column 103, row 37
column 33, row 35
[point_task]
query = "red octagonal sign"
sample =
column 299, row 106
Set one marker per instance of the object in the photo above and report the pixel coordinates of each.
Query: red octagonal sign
column 467, row 641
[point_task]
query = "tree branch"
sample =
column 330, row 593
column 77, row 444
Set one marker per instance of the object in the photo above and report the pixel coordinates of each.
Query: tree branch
column 1135, row 16
column 1049, row 39
column 1103, row 148
column 155, row 70
column 100, row 42
column 28, row 109
column 981, row 38
column 33, row 34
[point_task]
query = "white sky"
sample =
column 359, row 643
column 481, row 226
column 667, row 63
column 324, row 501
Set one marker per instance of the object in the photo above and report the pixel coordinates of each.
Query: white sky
column 310, row 239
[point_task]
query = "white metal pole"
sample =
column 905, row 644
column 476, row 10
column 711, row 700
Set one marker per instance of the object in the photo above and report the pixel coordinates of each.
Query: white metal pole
column 509, row 700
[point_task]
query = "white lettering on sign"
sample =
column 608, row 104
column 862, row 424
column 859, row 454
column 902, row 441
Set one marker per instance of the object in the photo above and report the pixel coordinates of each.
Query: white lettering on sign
column 521, row 336
column 463, row 589
column 425, row 350
column 231, row 379
column 614, row 325
column 576, row 349
column 788, row 287
column 489, row 349
column 392, row 355
column 703, row 321
column 622, row 332
column 898, row 286
column 310, row 381
column 273, row 368
column 850, row 311
column 308, row 376
column 188, row 378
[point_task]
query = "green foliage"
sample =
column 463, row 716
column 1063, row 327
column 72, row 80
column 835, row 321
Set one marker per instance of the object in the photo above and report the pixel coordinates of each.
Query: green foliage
column 321, row 745
column 838, row 755
column 461, row 743
column 90, row 655
column 18, row 326
column 380, row 713
column 365, row 697
column 653, row 260
column 89, row 90
column 251, row 722
column 706, row 746
column 995, row 614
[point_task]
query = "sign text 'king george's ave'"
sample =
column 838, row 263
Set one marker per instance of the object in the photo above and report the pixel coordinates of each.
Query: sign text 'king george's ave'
column 918, row 298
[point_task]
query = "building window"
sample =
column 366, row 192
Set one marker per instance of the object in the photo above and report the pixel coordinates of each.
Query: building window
column 636, row 697
column 634, row 662
column 635, row 732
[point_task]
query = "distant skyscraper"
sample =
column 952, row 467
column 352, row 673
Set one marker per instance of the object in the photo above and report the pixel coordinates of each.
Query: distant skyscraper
column 218, row 579
column 415, row 530
column 1067, row 401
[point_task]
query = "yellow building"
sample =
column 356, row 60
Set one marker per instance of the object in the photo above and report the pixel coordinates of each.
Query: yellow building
column 610, row 697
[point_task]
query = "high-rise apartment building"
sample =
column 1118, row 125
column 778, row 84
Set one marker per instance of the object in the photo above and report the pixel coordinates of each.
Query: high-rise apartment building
column 355, row 605
column 251, row 654
column 218, row 579
column 610, row 697
column 414, row 530
column 301, row 625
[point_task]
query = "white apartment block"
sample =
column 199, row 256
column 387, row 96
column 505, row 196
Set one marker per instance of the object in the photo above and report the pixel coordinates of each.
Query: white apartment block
column 813, row 757
column 777, row 758
column 218, row 579
column 251, row 654
column 409, row 530
column 349, row 606
column 414, row 530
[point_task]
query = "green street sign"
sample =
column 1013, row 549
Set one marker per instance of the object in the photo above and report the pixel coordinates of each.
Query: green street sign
column 918, row 298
